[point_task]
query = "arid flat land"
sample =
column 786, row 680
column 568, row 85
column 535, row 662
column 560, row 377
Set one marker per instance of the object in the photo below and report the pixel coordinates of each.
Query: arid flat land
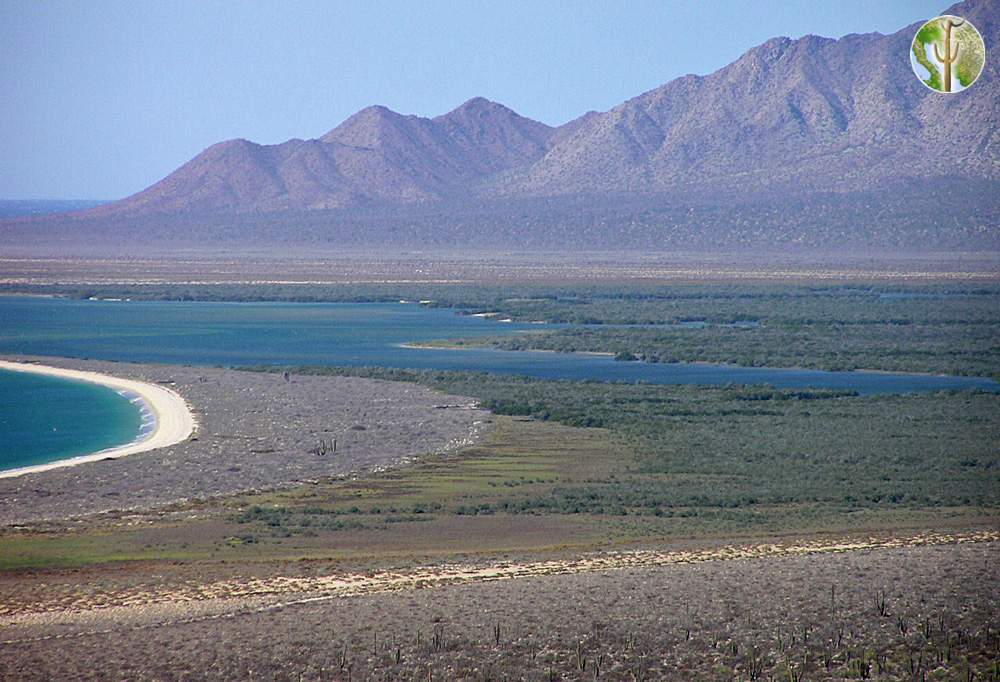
column 380, row 576
column 24, row 272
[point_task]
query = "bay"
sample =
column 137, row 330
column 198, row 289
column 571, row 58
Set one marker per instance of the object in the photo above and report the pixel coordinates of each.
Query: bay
column 43, row 419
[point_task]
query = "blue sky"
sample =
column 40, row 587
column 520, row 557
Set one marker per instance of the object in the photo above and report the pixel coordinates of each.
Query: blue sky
column 101, row 99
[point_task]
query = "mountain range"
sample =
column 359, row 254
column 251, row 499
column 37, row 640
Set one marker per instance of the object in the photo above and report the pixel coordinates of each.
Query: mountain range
column 809, row 143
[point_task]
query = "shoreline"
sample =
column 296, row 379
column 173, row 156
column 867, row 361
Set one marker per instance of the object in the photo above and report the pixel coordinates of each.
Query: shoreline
column 173, row 421
column 708, row 363
column 425, row 346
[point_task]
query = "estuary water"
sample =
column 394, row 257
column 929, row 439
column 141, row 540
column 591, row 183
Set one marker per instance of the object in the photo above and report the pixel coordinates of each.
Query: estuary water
column 363, row 334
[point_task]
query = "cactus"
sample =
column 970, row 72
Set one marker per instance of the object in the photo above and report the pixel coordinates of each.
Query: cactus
column 881, row 603
column 949, row 56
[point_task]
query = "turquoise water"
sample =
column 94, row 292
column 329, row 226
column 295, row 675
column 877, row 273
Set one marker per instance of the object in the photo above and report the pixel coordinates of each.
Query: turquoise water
column 43, row 419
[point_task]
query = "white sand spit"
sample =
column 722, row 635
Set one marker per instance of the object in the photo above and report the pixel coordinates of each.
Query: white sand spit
column 174, row 422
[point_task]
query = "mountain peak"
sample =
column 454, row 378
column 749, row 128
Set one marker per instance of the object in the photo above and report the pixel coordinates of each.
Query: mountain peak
column 235, row 143
column 375, row 111
column 479, row 104
column 361, row 129
column 479, row 108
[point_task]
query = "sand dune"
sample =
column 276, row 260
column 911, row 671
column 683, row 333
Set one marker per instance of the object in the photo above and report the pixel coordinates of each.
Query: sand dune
column 174, row 421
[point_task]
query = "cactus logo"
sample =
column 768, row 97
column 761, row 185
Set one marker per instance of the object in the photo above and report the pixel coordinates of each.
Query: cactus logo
column 947, row 54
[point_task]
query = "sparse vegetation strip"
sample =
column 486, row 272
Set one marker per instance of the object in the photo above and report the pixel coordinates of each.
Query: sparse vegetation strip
column 346, row 585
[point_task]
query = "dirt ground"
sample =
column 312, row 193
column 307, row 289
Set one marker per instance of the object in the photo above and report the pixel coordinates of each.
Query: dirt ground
column 924, row 607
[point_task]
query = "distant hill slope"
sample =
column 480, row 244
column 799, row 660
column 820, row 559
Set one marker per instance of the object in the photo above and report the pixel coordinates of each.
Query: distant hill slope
column 376, row 156
column 809, row 143
column 813, row 113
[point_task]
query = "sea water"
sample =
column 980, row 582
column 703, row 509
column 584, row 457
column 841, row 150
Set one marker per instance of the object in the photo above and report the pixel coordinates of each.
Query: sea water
column 44, row 418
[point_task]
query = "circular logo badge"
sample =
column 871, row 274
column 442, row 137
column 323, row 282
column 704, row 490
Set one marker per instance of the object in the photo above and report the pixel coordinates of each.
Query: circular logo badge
column 947, row 54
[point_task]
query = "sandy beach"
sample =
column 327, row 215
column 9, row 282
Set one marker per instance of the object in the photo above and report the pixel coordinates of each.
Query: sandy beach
column 173, row 421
